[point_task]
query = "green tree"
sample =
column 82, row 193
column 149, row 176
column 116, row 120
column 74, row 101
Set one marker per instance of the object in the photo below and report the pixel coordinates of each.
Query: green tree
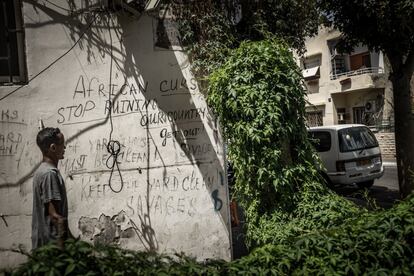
column 211, row 28
column 386, row 25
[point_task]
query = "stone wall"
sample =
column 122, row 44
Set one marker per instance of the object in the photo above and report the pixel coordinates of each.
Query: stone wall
column 386, row 141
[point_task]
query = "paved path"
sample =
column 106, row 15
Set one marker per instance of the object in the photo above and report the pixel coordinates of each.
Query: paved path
column 384, row 191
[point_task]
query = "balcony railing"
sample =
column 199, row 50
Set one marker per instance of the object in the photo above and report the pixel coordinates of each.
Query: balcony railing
column 367, row 70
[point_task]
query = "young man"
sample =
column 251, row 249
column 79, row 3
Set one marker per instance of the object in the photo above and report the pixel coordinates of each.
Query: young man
column 50, row 207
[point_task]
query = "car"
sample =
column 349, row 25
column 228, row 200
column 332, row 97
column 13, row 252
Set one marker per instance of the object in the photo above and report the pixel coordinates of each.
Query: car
column 349, row 153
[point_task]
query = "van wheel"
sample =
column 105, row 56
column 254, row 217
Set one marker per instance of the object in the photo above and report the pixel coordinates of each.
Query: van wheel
column 366, row 184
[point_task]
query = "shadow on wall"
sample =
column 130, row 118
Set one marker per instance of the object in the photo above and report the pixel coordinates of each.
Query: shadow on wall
column 176, row 109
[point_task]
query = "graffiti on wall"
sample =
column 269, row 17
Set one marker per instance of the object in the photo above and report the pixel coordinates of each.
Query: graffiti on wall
column 11, row 138
column 165, row 159
column 141, row 162
column 166, row 162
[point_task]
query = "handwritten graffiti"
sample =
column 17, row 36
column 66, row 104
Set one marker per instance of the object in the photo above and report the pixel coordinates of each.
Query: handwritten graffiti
column 190, row 133
column 218, row 203
column 89, row 92
column 10, row 143
column 196, row 150
column 96, row 88
column 75, row 111
column 163, row 205
column 9, row 115
column 129, row 106
column 128, row 155
column 191, row 182
column 27, row 157
column 133, row 142
column 74, row 164
column 95, row 191
column 72, row 147
column 161, row 117
column 177, row 84
column 98, row 144
column 93, row 188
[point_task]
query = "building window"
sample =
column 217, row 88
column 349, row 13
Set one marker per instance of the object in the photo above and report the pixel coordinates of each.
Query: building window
column 312, row 86
column 12, row 59
column 359, row 61
column 312, row 61
column 311, row 74
column 342, row 115
column 314, row 118
column 310, row 67
column 337, row 59
column 361, row 116
column 339, row 65
column 358, row 115
column 321, row 140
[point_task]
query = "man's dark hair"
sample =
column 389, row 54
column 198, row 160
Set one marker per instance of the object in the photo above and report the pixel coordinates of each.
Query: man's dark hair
column 46, row 137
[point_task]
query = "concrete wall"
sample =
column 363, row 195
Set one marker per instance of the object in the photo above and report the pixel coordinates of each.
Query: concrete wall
column 170, row 192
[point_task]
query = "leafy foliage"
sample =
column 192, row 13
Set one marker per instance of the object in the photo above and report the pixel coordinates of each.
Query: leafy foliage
column 260, row 101
column 81, row 258
column 379, row 24
column 379, row 243
column 209, row 29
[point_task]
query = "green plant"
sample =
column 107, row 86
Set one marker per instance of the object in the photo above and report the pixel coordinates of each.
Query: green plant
column 374, row 243
column 258, row 97
column 210, row 29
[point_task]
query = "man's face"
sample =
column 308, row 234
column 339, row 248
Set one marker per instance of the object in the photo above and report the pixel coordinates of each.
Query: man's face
column 59, row 148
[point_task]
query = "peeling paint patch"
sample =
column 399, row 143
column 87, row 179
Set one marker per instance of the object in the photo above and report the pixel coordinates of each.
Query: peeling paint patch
column 105, row 230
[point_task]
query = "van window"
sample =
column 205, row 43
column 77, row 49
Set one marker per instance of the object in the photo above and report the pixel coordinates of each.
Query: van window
column 321, row 140
column 356, row 138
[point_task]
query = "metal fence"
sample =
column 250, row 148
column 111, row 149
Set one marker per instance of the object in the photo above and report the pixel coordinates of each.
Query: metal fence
column 367, row 70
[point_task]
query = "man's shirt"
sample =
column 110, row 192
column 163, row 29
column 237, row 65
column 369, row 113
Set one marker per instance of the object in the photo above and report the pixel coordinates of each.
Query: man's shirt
column 48, row 185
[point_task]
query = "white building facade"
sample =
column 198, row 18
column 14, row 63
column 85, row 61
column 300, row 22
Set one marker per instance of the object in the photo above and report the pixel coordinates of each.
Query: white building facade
column 346, row 88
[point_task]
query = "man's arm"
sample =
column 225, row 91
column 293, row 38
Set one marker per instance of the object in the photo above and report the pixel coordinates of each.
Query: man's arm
column 52, row 211
column 58, row 221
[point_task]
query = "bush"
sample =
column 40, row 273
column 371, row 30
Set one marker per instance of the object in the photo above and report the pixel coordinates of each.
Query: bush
column 377, row 243
column 260, row 100
column 81, row 258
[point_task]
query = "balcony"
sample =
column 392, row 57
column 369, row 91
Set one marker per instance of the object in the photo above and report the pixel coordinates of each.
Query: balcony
column 361, row 71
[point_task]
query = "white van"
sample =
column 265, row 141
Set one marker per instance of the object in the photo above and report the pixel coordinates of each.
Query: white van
column 349, row 153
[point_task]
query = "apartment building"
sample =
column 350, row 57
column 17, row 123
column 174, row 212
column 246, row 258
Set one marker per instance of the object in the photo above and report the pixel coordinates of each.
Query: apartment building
column 346, row 88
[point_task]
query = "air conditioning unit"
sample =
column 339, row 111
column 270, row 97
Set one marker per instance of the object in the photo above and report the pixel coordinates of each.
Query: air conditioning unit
column 370, row 106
